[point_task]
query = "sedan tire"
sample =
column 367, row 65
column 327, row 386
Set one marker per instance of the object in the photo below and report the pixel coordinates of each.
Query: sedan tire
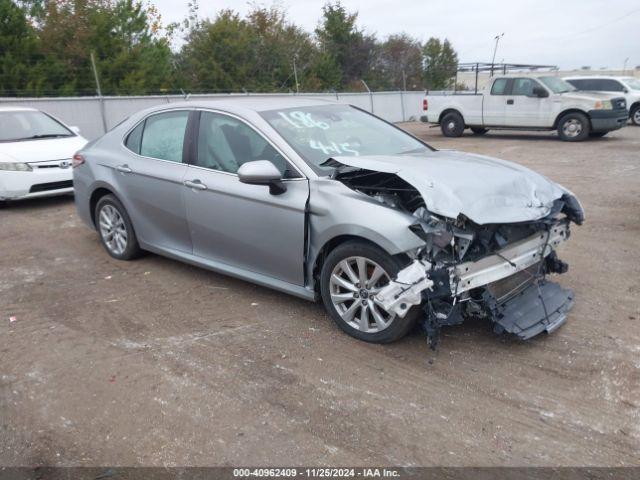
column 115, row 229
column 351, row 276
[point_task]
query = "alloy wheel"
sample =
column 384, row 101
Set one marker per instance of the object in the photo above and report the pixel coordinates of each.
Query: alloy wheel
column 113, row 229
column 354, row 283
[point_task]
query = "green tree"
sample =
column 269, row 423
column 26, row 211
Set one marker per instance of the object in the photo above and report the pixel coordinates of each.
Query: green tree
column 440, row 63
column 255, row 53
column 219, row 55
column 344, row 49
column 132, row 55
column 398, row 64
column 18, row 51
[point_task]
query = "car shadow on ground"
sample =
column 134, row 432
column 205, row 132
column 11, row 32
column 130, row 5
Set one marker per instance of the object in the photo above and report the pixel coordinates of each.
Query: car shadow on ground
column 36, row 203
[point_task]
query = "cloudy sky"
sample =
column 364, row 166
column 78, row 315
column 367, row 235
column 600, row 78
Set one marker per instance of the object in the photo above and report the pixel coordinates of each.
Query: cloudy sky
column 567, row 33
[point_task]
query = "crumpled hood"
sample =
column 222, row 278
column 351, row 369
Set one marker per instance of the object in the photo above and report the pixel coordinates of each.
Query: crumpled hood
column 484, row 189
column 42, row 150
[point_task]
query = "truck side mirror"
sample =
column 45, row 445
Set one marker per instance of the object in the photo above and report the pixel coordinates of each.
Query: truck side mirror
column 539, row 92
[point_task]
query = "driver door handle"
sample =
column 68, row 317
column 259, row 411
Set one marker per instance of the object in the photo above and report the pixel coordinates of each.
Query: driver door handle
column 124, row 169
column 510, row 101
column 197, row 184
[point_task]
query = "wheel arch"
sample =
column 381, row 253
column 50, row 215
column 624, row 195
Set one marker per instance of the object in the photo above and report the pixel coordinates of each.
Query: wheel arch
column 451, row 110
column 570, row 110
column 334, row 242
column 100, row 190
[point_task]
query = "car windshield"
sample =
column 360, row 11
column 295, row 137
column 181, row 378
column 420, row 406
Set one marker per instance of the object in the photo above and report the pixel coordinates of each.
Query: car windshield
column 557, row 85
column 320, row 132
column 633, row 83
column 30, row 125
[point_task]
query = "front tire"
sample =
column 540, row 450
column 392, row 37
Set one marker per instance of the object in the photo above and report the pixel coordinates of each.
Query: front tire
column 115, row 229
column 573, row 127
column 351, row 276
column 635, row 115
column 452, row 125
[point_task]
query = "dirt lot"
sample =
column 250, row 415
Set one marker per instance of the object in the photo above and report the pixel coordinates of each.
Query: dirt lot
column 154, row 362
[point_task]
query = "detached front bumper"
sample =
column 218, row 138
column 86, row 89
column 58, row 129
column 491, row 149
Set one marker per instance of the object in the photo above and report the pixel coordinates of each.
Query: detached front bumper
column 508, row 287
column 607, row 120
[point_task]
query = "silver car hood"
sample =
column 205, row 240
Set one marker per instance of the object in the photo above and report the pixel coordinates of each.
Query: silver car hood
column 484, row 189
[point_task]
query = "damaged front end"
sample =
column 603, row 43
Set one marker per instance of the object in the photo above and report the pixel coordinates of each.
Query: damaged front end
column 495, row 271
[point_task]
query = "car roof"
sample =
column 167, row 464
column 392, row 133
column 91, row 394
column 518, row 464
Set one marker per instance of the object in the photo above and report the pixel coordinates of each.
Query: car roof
column 596, row 77
column 257, row 103
column 12, row 108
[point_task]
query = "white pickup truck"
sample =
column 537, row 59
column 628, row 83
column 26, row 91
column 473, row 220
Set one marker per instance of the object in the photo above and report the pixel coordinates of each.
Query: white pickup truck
column 528, row 103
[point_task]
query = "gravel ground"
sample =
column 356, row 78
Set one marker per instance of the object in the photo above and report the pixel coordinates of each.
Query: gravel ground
column 154, row 362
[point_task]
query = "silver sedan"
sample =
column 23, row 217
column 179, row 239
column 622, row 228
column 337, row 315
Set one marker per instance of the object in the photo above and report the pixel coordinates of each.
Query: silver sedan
column 324, row 200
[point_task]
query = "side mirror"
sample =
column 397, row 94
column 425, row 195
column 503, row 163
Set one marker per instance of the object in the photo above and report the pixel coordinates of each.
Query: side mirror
column 625, row 90
column 539, row 92
column 75, row 130
column 262, row 172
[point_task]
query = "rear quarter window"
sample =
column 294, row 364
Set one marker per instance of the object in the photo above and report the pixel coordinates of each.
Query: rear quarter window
column 499, row 87
column 134, row 139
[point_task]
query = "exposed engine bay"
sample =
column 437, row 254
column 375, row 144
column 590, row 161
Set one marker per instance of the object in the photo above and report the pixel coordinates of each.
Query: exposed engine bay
column 495, row 271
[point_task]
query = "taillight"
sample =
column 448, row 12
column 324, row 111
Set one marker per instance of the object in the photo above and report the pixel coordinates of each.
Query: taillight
column 425, row 104
column 77, row 160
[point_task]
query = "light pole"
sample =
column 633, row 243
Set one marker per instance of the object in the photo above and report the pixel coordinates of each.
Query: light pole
column 624, row 67
column 495, row 50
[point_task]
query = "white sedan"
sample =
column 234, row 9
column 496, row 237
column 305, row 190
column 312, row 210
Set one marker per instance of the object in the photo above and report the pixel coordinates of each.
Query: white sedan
column 36, row 152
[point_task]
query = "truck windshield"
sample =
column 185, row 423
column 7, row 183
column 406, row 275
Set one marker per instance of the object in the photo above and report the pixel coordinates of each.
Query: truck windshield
column 30, row 125
column 320, row 132
column 633, row 83
column 557, row 85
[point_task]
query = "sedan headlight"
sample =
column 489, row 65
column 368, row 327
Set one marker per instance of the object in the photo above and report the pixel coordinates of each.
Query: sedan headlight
column 15, row 167
column 604, row 105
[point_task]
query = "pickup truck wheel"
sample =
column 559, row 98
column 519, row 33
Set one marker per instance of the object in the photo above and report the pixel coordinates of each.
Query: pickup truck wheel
column 573, row 127
column 452, row 125
column 635, row 115
column 351, row 276
column 479, row 131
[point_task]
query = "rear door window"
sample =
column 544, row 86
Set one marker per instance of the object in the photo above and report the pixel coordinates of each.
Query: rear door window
column 163, row 136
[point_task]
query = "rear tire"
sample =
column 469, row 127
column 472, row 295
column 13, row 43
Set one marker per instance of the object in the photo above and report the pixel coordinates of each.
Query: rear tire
column 115, row 229
column 573, row 127
column 635, row 115
column 597, row 134
column 479, row 130
column 452, row 125
column 376, row 325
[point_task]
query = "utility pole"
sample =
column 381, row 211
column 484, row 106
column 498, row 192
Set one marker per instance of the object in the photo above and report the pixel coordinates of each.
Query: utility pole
column 370, row 93
column 404, row 89
column 100, row 99
column 495, row 50
column 295, row 73
column 624, row 68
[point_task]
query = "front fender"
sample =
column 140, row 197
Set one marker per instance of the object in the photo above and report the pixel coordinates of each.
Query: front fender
column 335, row 210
